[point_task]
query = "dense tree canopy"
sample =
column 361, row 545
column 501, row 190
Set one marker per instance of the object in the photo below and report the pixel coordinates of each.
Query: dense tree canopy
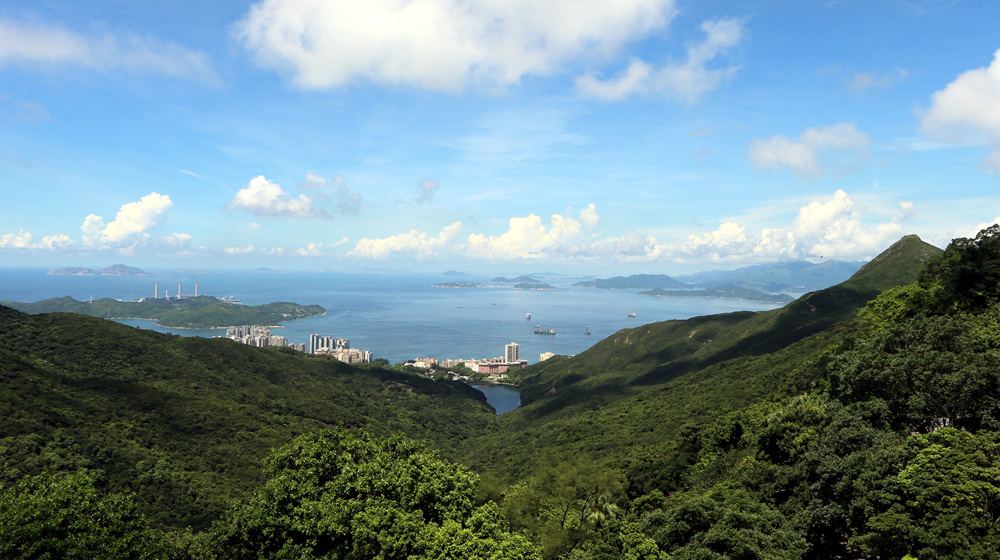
column 341, row 494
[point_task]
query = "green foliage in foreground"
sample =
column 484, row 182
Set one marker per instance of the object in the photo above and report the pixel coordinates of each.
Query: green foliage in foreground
column 62, row 516
column 329, row 494
column 203, row 312
column 335, row 494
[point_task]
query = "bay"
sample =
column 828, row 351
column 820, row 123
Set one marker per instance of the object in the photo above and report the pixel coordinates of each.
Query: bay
column 397, row 316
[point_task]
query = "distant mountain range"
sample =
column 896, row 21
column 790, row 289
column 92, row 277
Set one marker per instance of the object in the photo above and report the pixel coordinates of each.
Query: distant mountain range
column 113, row 270
column 798, row 276
column 726, row 292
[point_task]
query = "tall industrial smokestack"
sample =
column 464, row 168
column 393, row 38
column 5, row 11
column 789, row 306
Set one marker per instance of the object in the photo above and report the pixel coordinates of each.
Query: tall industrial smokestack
column 178, row 290
column 195, row 289
column 156, row 290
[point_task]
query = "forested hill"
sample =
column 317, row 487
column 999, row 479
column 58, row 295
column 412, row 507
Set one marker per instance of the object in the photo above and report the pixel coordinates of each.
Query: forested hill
column 185, row 422
column 629, row 396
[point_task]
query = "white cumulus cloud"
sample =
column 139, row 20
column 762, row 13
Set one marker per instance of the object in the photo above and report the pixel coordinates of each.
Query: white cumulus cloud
column 687, row 80
column 968, row 110
column 130, row 225
column 240, row 250
column 19, row 240
column 832, row 228
column 442, row 45
column 311, row 250
column 265, row 198
column 528, row 238
column 803, row 156
column 413, row 244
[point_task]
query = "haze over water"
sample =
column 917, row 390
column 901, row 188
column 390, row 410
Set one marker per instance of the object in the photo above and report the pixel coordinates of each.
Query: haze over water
column 398, row 317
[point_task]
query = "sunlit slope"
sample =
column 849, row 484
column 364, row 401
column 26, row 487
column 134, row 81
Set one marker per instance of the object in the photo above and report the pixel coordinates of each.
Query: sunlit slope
column 628, row 396
column 184, row 422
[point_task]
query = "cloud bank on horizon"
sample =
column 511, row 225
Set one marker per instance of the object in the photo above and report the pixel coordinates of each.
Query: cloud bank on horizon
column 638, row 133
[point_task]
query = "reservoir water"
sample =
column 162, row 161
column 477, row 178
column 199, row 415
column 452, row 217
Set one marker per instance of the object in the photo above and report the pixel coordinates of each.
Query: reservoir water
column 501, row 397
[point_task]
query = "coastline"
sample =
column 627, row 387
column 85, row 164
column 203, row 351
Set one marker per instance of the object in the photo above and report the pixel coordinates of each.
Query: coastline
column 491, row 383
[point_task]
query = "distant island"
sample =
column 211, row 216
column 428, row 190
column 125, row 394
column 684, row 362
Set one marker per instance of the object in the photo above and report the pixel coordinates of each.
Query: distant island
column 634, row 282
column 724, row 292
column 517, row 280
column 533, row 286
column 202, row 312
column 519, row 283
column 113, row 270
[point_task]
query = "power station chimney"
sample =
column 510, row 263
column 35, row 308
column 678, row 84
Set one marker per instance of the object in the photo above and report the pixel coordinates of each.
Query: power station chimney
column 178, row 290
column 195, row 289
column 156, row 290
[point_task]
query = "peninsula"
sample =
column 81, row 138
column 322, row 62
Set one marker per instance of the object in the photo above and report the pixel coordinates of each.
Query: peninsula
column 202, row 312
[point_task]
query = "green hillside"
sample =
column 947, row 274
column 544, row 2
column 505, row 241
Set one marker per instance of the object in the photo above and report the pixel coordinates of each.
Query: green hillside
column 635, row 282
column 184, row 422
column 626, row 400
column 203, row 312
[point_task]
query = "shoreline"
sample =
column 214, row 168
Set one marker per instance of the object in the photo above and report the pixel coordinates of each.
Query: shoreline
column 488, row 383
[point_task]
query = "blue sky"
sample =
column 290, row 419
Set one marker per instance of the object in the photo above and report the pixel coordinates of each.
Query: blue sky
column 577, row 135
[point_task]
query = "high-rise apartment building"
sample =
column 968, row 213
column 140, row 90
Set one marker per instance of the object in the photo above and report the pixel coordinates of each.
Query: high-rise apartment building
column 328, row 343
column 512, row 353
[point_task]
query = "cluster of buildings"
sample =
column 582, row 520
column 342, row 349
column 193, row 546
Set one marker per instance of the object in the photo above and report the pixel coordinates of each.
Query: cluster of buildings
column 258, row 336
column 339, row 348
column 489, row 366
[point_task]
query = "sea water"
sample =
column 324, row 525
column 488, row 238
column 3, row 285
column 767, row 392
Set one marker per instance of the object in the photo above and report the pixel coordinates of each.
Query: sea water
column 397, row 317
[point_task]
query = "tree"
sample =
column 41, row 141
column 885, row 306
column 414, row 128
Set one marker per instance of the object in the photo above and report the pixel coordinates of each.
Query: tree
column 945, row 501
column 350, row 495
column 931, row 371
column 564, row 504
column 967, row 274
column 63, row 516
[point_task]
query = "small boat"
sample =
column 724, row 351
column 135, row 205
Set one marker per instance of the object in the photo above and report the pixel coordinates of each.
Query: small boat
column 631, row 314
column 587, row 331
column 527, row 316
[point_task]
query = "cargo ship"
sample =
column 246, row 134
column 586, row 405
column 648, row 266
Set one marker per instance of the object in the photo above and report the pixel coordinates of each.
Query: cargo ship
column 544, row 331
